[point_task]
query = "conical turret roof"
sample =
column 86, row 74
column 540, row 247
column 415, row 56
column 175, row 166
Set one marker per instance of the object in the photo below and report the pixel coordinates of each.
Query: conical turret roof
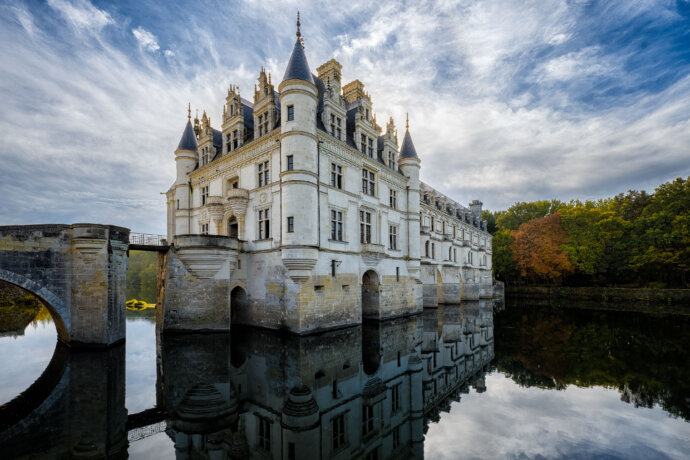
column 298, row 67
column 407, row 150
column 188, row 140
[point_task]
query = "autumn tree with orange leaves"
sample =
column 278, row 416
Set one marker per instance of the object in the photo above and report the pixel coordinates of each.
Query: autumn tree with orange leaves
column 537, row 252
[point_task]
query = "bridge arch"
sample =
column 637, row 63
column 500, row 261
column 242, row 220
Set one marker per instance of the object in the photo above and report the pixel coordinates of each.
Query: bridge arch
column 56, row 306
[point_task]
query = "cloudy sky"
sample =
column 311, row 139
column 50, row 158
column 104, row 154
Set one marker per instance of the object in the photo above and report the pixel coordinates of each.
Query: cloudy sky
column 508, row 101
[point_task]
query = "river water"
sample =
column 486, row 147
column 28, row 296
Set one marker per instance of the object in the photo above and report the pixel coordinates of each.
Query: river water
column 454, row 382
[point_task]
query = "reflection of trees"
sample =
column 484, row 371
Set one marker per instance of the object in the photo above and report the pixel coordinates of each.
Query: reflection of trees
column 643, row 356
column 18, row 309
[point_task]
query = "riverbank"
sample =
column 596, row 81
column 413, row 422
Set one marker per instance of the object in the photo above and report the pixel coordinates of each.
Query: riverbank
column 603, row 298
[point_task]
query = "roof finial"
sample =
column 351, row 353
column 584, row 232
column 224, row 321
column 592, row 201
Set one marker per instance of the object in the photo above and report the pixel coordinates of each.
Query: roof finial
column 299, row 34
column 407, row 121
column 189, row 111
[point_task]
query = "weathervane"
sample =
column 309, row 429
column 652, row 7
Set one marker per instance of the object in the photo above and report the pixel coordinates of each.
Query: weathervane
column 299, row 34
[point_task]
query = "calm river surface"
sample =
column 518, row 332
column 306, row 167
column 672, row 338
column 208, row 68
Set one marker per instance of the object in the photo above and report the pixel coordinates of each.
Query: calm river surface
column 457, row 382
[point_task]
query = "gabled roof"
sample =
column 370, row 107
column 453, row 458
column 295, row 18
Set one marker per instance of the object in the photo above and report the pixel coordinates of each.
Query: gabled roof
column 298, row 68
column 407, row 150
column 188, row 140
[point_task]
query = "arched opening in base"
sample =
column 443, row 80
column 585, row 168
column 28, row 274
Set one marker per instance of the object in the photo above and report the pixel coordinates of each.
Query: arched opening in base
column 33, row 289
column 370, row 295
column 239, row 306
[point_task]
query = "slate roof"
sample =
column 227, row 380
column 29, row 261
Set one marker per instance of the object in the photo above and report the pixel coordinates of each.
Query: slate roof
column 188, row 140
column 407, row 150
column 298, row 67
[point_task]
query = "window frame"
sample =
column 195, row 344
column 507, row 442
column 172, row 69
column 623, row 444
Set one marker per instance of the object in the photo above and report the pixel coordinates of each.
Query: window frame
column 290, row 113
column 336, row 224
column 336, row 175
column 264, row 223
column 365, row 227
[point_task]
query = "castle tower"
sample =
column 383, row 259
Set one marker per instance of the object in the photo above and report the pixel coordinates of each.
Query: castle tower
column 299, row 151
column 186, row 157
column 410, row 164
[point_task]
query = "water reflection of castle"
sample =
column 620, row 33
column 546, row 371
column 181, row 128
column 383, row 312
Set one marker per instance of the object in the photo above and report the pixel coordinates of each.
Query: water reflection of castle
column 364, row 392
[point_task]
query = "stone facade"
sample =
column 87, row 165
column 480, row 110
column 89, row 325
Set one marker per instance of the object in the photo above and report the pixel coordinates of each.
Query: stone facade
column 328, row 212
column 78, row 271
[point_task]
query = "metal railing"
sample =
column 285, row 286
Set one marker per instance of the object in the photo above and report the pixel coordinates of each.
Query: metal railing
column 138, row 434
column 147, row 239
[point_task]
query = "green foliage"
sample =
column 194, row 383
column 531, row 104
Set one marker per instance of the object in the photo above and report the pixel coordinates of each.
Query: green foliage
column 522, row 212
column 503, row 261
column 141, row 276
column 631, row 239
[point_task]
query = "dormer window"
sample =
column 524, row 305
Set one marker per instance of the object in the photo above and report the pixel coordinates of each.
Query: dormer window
column 391, row 159
column 335, row 127
column 265, row 123
column 366, row 111
column 370, row 147
column 363, row 144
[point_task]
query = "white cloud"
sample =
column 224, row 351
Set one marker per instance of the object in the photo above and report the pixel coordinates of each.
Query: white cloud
column 147, row 40
column 491, row 117
column 82, row 15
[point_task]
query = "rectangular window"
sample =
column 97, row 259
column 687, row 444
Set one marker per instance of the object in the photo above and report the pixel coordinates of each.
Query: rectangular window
column 204, row 229
column 397, row 278
column 336, row 176
column 204, row 195
column 235, row 139
column 266, row 123
column 393, row 237
column 433, row 250
column 332, row 125
column 395, row 399
column 367, row 419
column 291, row 112
column 393, row 199
column 338, row 431
column 336, row 225
column 265, row 434
column 396, row 437
column 364, row 227
column 290, row 224
column 338, row 129
column 368, row 182
column 370, row 147
column 290, row 162
column 363, row 143
column 264, row 175
column 264, row 222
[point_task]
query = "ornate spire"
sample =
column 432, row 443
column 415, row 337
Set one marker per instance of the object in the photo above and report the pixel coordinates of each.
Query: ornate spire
column 189, row 111
column 299, row 33
column 407, row 121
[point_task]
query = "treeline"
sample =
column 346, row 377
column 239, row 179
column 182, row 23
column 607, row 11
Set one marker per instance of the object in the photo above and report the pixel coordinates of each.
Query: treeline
column 633, row 239
column 141, row 276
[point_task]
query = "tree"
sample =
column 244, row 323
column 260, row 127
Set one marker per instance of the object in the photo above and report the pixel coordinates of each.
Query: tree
column 537, row 249
column 593, row 235
column 522, row 212
column 503, row 261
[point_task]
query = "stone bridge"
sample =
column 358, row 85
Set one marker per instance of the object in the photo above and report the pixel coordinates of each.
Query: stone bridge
column 79, row 273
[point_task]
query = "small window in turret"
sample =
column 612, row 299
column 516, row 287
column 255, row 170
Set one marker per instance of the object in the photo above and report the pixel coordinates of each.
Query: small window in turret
column 291, row 112
column 290, row 162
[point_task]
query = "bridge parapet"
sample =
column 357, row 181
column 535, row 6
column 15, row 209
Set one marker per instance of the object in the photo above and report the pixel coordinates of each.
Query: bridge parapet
column 78, row 271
